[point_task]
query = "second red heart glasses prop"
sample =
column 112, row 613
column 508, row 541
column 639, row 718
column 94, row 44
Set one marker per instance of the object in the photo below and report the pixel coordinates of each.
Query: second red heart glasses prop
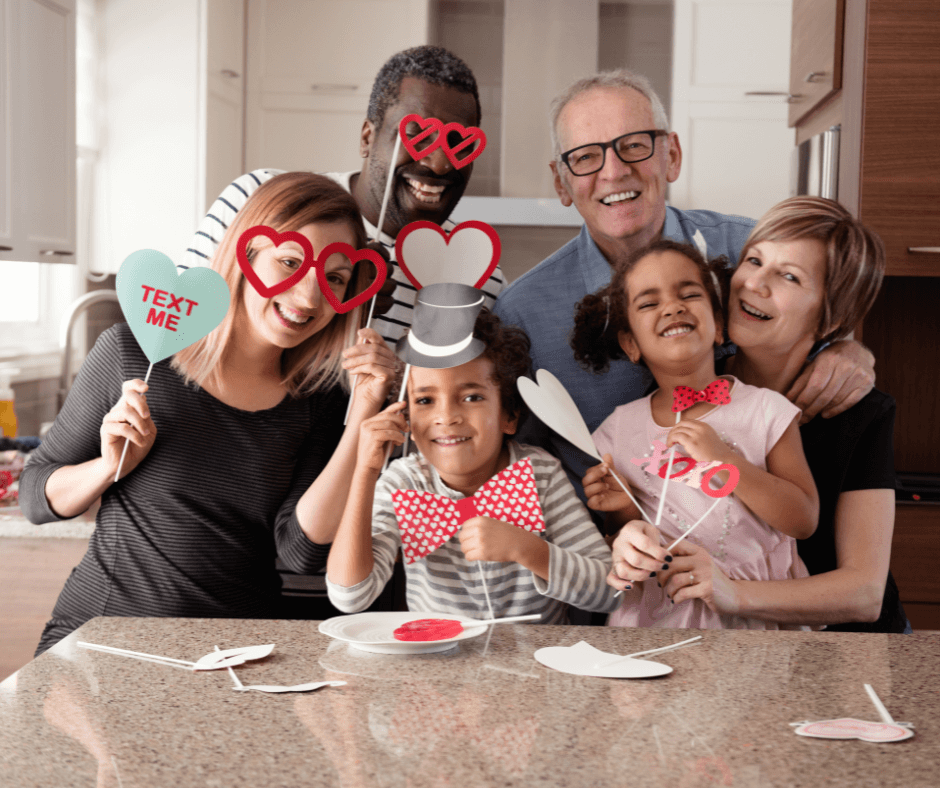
column 437, row 135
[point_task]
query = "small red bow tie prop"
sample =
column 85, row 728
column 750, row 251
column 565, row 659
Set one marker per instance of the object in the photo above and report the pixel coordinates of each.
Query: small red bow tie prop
column 718, row 392
column 427, row 520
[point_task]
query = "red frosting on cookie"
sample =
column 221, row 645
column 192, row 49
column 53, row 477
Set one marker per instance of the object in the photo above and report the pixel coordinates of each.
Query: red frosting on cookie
column 429, row 629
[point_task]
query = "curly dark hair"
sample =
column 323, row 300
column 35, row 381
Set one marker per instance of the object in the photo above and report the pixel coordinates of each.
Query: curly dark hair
column 432, row 64
column 508, row 348
column 600, row 316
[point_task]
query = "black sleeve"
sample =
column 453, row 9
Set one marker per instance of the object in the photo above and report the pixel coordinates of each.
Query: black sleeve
column 326, row 428
column 75, row 436
column 872, row 464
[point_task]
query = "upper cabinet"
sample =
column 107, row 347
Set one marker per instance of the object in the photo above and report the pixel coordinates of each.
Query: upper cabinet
column 37, row 150
column 816, row 57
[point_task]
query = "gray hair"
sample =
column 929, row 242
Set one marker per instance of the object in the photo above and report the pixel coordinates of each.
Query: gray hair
column 618, row 78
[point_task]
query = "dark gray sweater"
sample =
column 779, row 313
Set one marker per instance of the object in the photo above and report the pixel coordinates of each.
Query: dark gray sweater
column 193, row 530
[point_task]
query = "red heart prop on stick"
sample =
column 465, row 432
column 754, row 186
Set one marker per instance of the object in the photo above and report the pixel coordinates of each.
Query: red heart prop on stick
column 241, row 251
column 459, row 263
column 471, row 134
column 428, row 126
column 355, row 256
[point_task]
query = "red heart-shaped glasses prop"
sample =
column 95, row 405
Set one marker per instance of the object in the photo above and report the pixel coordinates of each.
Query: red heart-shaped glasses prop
column 318, row 264
column 432, row 126
column 459, row 263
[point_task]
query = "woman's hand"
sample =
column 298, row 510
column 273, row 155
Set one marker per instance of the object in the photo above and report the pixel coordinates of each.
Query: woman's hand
column 701, row 441
column 375, row 366
column 601, row 489
column 693, row 574
column 129, row 420
column 375, row 433
column 638, row 555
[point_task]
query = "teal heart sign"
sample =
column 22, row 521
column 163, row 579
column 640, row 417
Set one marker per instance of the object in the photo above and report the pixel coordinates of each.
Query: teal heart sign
column 166, row 312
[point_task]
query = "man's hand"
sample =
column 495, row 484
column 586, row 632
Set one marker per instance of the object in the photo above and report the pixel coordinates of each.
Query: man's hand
column 834, row 381
column 383, row 299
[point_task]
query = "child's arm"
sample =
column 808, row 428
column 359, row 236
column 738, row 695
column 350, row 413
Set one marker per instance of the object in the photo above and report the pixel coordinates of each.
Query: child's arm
column 486, row 539
column 784, row 496
column 605, row 495
column 355, row 556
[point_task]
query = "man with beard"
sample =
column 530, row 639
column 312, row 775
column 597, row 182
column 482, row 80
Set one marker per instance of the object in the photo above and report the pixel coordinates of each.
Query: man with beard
column 428, row 81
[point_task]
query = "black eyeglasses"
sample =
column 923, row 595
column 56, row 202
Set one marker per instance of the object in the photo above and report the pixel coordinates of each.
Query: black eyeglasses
column 630, row 148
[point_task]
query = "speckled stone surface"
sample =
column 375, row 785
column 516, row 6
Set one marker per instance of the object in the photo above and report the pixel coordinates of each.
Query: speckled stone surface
column 484, row 713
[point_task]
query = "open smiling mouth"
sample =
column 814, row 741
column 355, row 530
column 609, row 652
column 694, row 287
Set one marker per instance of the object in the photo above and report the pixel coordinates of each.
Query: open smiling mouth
column 292, row 319
column 423, row 192
column 619, row 197
column 449, row 441
column 677, row 330
column 753, row 312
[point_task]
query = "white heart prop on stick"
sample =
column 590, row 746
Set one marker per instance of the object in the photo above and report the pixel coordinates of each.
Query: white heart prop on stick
column 429, row 255
column 548, row 399
column 582, row 659
column 215, row 660
column 315, row 685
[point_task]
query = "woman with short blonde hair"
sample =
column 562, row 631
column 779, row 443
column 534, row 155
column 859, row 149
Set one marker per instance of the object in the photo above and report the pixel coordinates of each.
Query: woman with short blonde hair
column 237, row 452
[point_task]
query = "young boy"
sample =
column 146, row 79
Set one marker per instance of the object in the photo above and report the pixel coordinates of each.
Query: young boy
column 463, row 406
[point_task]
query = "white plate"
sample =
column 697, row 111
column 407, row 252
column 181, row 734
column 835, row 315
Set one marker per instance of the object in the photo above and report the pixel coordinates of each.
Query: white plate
column 374, row 632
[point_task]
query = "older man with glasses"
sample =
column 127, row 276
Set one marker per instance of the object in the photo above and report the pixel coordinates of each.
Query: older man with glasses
column 614, row 157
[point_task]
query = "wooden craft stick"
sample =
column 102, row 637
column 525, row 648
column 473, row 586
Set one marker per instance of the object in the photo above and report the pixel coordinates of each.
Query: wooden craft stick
column 128, row 440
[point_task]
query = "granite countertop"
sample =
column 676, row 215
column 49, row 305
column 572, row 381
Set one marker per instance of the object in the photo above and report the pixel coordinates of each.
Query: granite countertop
column 484, row 713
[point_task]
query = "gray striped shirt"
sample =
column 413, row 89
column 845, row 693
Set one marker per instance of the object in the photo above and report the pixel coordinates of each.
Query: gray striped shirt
column 445, row 582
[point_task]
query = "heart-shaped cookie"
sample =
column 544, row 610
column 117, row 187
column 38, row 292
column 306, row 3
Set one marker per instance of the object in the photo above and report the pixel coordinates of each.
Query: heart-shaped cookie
column 551, row 402
column 429, row 255
column 355, row 256
column 167, row 312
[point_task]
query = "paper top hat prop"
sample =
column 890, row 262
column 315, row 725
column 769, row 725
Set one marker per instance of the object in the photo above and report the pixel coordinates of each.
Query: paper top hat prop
column 441, row 334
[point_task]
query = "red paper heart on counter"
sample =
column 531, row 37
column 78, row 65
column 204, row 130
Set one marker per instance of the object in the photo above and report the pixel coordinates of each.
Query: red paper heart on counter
column 429, row 629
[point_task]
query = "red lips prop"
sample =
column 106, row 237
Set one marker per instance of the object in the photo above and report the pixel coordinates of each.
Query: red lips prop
column 432, row 126
column 318, row 263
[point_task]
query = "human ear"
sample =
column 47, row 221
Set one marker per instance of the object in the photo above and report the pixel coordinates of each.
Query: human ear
column 510, row 424
column 561, row 188
column 628, row 345
column 674, row 157
column 366, row 138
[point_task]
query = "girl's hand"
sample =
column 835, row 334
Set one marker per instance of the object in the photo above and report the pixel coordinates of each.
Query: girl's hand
column 389, row 426
column 694, row 575
column 375, row 365
column 601, row 489
column 700, row 441
column 129, row 420
column 486, row 539
column 638, row 555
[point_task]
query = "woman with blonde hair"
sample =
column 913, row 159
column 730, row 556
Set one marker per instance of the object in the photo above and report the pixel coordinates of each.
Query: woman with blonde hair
column 808, row 274
column 237, row 451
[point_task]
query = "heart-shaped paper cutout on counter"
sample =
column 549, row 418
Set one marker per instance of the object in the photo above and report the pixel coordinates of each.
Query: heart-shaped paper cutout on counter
column 847, row 728
column 429, row 255
column 355, row 256
column 582, row 659
column 167, row 312
column 548, row 399
column 241, row 252
column 232, row 656
column 430, row 127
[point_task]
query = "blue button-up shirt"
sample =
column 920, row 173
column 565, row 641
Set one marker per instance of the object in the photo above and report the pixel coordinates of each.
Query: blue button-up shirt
column 542, row 301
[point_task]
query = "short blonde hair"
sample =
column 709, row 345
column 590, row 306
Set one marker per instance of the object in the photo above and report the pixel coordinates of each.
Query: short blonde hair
column 287, row 202
column 855, row 257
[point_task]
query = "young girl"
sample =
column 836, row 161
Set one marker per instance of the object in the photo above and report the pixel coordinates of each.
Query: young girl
column 237, row 451
column 461, row 422
column 662, row 308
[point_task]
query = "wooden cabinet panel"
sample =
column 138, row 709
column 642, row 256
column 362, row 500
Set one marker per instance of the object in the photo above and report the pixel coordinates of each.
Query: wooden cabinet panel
column 915, row 552
column 816, row 54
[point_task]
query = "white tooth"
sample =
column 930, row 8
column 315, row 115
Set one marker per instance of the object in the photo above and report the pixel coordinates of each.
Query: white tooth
column 619, row 197
column 291, row 317
column 752, row 311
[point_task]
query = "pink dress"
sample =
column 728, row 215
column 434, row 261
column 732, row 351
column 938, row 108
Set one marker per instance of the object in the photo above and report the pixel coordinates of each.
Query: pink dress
column 745, row 547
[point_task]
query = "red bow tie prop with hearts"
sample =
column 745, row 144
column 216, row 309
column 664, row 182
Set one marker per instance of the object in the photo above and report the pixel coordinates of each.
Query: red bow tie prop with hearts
column 718, row 392
column 427, row 520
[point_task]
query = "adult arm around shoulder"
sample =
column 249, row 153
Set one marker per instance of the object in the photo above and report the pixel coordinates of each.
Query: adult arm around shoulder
column 835, row 380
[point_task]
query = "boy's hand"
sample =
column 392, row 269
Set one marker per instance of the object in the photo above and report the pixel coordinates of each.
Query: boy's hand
column 486, row 539
column 601, row 489
column 389, row 426
column 700, row 441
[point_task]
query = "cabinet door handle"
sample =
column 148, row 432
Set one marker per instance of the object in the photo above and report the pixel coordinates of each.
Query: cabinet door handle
column 790, row 97
column 334, row 87
column 6, row 248
column 816, row 76
column 924, row 249
column 56, row 252
column 227, row 72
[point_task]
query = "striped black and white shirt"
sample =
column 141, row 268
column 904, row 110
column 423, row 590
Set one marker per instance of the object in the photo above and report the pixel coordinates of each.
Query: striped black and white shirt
column 445, row 582
column 393, row 323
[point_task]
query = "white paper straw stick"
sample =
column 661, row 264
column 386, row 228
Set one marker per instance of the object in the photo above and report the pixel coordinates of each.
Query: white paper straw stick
column 636, row 503
column 401, row 396
column 507, row 620
column 882, row 711
column 231, row 672
column 128, row 440
column 129, row 653
column 486, row 593
column 662, row 496
column 680, row 644
column 696, row 524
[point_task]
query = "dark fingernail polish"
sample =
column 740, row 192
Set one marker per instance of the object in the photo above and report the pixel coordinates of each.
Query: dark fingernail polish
column 665, row 567
column 627, row 588
column 658, row 584
column 673, row 601
column 652, row 574
column 669, row 559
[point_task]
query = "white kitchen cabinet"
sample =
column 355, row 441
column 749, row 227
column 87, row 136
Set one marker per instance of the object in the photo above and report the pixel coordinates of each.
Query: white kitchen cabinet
column 729, row 104
column 37, row 130
column 311, row 65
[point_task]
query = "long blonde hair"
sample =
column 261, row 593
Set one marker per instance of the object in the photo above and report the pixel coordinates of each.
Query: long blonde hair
column 287, row 202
